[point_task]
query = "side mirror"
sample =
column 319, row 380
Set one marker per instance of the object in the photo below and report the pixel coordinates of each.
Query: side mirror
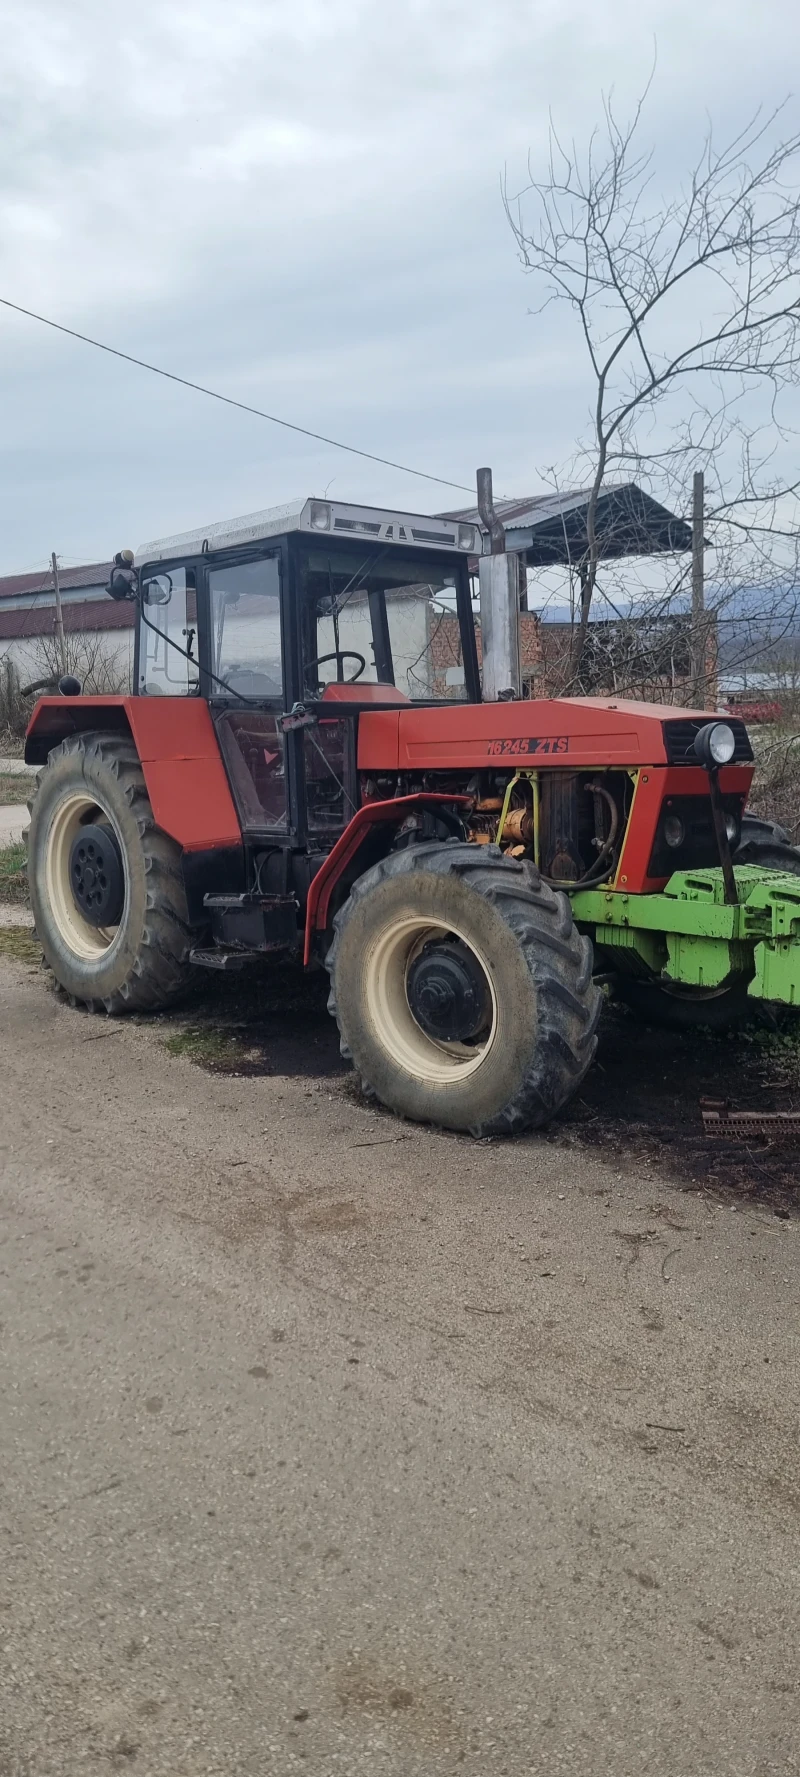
column 158, row 591
column 123, row 579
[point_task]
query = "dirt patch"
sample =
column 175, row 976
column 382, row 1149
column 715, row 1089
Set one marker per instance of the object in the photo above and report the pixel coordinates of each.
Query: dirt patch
column 275, row 1022
column 640, row 1104
column 410, row 1706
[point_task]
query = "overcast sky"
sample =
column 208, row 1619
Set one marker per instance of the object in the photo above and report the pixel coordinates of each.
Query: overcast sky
column 298, row 202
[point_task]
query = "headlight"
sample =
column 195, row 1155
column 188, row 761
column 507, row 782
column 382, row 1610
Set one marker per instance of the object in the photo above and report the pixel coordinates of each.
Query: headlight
column 715, row 744
column 674, row 830
column 466, row 537
column 722, row 743
column 320, row 516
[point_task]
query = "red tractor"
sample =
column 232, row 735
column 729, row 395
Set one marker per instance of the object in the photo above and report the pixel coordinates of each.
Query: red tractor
column 306, row 767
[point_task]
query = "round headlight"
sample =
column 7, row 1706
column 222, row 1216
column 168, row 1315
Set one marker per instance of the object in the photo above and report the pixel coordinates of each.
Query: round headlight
column 715, row 744
column 674, row 830
column 722, row 743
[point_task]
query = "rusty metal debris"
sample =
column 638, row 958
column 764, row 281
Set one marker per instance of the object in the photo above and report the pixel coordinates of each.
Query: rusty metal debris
column 720, row 1119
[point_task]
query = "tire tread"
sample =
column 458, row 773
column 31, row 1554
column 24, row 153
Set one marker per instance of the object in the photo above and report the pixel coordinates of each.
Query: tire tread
column 558, row 958
column 161, row 969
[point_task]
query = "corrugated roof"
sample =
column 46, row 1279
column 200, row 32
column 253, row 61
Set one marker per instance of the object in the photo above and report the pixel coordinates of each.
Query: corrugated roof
column 519, row 511
column 550, row 528
column 17, row 585
column 21, row 625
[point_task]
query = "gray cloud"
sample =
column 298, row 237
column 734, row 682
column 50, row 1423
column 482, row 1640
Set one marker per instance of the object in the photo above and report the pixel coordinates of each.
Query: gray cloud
column 300, row 205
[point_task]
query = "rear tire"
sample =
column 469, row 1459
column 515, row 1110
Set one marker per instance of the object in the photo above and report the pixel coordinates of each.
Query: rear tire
column 542, row 1007
column 686, row 1008
column 140, row 963
column 774, row 856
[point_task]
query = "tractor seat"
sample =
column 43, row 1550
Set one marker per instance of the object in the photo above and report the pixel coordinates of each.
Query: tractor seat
column 358, row 693
column 249, row 682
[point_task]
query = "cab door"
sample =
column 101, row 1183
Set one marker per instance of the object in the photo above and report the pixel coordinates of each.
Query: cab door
column 244, row 668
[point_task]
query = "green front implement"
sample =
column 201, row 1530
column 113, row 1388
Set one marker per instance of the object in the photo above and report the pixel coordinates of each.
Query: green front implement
column 688, row 934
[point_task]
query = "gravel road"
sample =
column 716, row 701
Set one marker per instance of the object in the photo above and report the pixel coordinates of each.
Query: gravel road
column 331, row 1444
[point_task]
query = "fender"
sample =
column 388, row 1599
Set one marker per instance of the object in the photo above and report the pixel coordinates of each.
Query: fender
column 179, row 752
column 371, row 814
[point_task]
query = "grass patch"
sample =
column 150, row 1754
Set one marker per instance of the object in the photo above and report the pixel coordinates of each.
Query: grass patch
column 13, row 875
column 218, row 1050
column 19, row 943
column 16, row 787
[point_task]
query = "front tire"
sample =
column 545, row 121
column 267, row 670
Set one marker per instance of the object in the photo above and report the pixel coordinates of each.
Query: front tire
column 493, row 919
column 140, row 960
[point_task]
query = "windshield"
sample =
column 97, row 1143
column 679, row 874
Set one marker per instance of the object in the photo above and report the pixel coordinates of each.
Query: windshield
column 374, row 617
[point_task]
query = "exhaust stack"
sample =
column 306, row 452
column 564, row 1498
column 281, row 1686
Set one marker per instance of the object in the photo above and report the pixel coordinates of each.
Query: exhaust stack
column 498, row 577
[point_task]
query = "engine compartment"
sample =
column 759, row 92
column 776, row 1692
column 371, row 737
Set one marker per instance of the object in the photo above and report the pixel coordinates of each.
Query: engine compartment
column 570, row 823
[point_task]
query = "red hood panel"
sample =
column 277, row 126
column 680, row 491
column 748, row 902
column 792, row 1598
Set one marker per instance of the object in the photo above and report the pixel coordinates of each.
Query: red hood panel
column 563, row 731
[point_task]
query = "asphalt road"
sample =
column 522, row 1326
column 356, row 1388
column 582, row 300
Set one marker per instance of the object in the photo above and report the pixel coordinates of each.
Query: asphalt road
column 336, row 1445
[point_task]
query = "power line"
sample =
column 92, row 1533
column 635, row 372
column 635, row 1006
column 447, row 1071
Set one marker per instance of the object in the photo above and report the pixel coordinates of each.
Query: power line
column 200, row 389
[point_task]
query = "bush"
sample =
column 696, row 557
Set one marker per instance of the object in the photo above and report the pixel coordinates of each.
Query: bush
column 776, row 787
column 14, row 708
column 85, row 656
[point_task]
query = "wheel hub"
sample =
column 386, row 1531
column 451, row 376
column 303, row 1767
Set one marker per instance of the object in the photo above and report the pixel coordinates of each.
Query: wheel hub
column 448, row 992
column 96, row 876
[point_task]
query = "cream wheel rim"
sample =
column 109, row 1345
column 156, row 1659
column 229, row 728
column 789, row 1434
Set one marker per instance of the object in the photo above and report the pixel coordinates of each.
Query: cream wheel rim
column 86, row 941
column 386, row 965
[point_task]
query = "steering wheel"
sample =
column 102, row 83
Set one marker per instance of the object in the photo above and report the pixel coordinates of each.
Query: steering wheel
column 340, row 654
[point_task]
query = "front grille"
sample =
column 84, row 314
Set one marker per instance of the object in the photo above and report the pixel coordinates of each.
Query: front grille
column 699, row 850
column 679, row 738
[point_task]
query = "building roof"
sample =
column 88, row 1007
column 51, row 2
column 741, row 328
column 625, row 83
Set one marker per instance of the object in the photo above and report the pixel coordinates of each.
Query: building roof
column 25, row 586
column 27, row 602
column 39, row 620
column 550, row 528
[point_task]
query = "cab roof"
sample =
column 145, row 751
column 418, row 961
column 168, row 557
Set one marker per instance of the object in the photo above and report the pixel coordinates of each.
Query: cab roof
column 319, row 518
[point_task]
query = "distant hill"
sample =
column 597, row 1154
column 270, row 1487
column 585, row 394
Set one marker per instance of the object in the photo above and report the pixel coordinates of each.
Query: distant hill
column 761, row 626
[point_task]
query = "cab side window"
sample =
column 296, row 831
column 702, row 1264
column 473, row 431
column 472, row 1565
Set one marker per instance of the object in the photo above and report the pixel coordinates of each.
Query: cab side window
column 168, row 634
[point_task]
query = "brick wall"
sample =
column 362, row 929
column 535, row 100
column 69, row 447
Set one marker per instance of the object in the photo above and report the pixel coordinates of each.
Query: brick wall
column 445, row 646
column 544, row 652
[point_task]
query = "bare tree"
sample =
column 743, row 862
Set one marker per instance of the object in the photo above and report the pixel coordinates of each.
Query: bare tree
column 102, row 671
column 86, row 655
column 688, row 309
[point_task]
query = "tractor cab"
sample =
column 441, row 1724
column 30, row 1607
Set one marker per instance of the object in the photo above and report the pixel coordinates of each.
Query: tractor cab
column 320, row 608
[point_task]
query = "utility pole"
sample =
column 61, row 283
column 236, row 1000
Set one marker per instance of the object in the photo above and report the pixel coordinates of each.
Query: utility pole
column 698, row 593
column 62, row 647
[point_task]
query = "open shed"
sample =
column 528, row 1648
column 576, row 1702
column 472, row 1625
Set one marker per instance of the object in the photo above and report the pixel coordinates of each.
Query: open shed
column 550, row 529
